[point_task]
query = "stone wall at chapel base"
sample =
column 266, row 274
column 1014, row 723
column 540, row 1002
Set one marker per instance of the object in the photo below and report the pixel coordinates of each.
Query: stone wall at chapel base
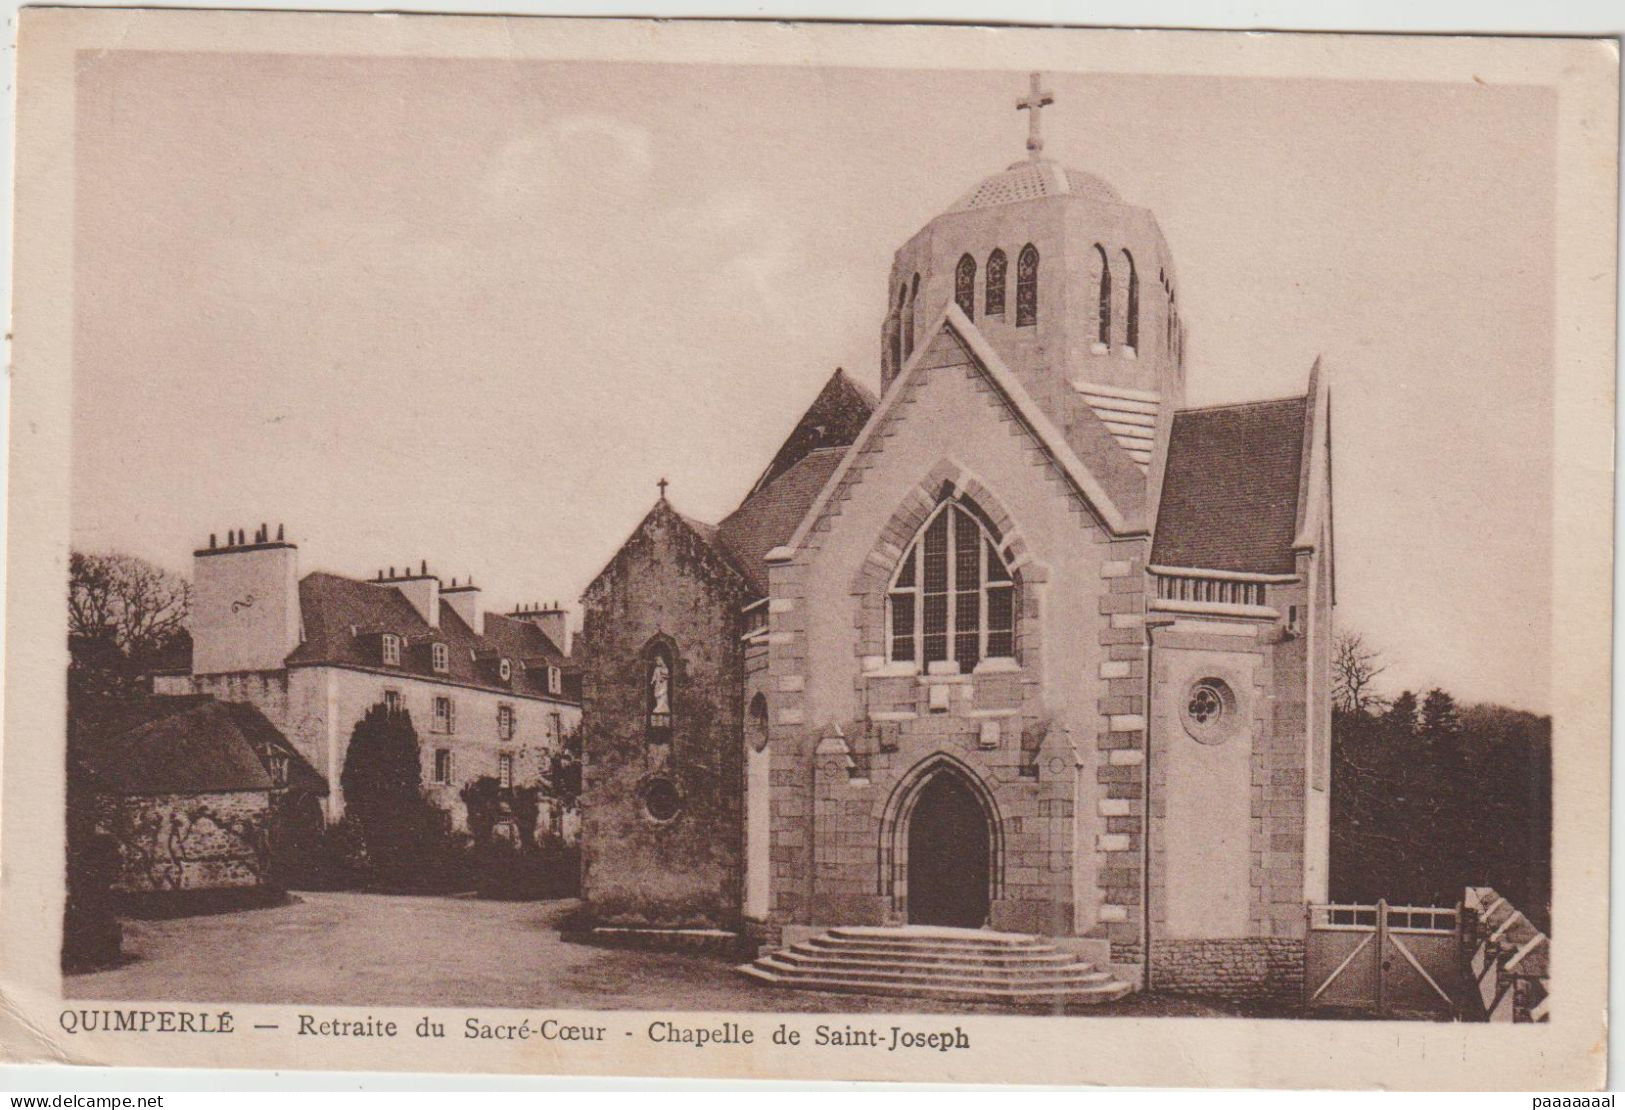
column 1239, row 969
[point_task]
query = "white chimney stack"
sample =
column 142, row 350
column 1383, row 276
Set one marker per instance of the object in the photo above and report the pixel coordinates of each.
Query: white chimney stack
column 245, row 602
column 465, row 602
column 551, row 619
column 421, row 589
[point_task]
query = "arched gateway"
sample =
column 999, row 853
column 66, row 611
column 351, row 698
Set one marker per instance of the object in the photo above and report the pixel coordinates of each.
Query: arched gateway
column 942, row 847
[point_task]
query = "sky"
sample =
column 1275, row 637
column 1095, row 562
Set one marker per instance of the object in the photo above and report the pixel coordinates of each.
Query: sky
column 470, row 311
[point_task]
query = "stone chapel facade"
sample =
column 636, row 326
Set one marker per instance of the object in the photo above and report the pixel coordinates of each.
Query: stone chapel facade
column 1023, row 642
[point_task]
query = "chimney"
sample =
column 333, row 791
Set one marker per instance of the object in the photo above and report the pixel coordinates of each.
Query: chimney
column 551, row 619
column 422, row 589
column 465, row 602
column 245, row 603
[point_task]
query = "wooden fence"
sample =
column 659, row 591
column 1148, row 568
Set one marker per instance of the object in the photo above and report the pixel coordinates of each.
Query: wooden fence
column 1507, row 960
column 1383, row 960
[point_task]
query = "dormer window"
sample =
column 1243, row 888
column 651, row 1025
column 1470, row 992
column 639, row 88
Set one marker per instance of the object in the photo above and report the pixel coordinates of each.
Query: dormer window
column 505, row 670
column 440, row 658
column 391, row 650
column 555, row 680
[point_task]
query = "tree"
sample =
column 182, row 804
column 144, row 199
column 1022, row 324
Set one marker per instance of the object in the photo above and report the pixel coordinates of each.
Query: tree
column 382, row 782
column 1354, row 669
column 1400, row 715
column 1441, row 721
column 122, row 612
column 482, row 799
column 140, row 607
column 561, row 775
column 525, row 803
column 1428, row 799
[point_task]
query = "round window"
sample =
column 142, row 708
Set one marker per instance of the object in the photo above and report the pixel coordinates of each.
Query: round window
column 1209, row 711
column 661, row 800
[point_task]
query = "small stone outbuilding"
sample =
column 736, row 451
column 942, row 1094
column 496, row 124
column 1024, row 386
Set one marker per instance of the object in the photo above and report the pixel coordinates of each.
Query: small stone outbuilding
column 197, row 795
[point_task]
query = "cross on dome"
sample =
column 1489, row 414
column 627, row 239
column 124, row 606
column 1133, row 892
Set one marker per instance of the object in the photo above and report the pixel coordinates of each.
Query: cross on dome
column 1035, row 101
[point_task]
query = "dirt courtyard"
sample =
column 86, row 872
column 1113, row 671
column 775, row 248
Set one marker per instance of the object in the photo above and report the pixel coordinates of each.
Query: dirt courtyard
column 350, row 949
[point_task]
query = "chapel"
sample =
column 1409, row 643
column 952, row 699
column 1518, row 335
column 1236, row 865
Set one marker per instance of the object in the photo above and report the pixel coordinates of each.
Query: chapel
column 1023, row 644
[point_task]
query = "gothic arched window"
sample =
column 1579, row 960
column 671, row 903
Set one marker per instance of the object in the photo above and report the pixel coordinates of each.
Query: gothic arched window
column 657, row 695
column 1131, row 328
column 896, row 339
column 995, row 283
column 952, row 596
column 1103, row 310
column 908, row 317
column 965, row 285
column 1027, row 287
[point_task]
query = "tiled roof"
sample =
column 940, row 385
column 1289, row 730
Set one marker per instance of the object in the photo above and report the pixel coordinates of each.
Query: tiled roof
column 1030, row 179
column 343, row 617
column 769, row 516
column 834, row 419
column 1230, row 488
column 1106, row 458
column 190, row 746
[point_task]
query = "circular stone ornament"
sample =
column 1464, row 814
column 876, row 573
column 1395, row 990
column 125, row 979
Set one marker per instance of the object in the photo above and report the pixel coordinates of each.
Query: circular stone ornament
column 661, row 801
column 1210, row 712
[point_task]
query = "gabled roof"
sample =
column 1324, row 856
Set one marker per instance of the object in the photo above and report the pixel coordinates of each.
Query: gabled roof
column 786, row 489
column 1231, row 488
column 190, row 746
column 710, row 556
column 513, row 638
column 1081, row 447
column 769, row 516
column 343, row 617
column 834, row 419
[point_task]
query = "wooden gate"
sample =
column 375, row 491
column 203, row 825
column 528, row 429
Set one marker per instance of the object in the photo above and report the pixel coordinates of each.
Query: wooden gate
column 1382, row 959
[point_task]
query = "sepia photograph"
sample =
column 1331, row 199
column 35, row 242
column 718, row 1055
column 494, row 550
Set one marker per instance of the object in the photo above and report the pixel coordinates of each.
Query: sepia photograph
column 1062, row 530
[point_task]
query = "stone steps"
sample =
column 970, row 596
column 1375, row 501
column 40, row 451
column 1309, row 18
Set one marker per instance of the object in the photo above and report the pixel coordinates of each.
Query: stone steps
column 968, row 965
column 812, row 952
column 1083, row 975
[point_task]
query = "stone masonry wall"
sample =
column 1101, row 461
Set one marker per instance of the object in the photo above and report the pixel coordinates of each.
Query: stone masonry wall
column 667, row 585
column 1245, row 969
column 172, row 842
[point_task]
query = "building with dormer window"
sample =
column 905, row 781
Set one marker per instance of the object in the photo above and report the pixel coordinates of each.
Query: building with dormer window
column 490, row 695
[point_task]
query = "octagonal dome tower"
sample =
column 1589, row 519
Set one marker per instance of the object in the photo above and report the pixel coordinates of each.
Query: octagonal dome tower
column 1072, row 286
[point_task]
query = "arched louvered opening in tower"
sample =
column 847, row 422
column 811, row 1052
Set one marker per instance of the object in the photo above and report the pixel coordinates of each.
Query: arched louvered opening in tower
column 965, row 285
column 894, row 332
column 1131, row 323
column 1027, row 287
column 908, row 316
column 994, row 302
column 1103, row 303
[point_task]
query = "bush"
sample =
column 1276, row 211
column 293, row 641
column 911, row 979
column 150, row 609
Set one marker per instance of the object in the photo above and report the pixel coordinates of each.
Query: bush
column 91, row 932
column 337, row 862
column 403, row 834
column 551, row 869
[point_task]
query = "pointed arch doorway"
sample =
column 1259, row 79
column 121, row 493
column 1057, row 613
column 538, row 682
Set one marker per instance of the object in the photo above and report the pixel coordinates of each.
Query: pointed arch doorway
column 949, row 855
